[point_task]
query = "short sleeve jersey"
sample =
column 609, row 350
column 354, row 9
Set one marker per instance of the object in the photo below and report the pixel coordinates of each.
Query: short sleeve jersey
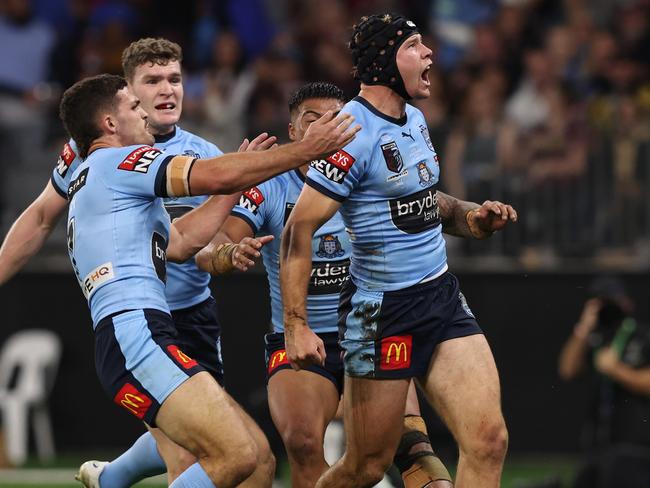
column 118, row 229
column 266, row 209
column 386, row 180
column 187, row 285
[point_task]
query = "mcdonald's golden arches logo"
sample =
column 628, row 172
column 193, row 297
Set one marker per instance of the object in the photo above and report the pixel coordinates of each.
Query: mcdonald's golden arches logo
column 278, row 358
column 133, row 400
column 396, row 352
column 181, row 358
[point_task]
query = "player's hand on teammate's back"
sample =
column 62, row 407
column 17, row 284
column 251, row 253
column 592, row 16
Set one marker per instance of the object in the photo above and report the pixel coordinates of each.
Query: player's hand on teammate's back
column 493, row 216
column 304, row 347
column 260, row 143
column 248, row 250
column 329, row 134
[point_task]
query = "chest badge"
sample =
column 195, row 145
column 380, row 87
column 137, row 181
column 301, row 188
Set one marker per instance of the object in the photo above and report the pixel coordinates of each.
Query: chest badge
column 425, row 174
column 329, row 247
column 392, row 156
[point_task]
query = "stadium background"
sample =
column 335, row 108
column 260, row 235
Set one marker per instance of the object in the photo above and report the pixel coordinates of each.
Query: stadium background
column 544, row 104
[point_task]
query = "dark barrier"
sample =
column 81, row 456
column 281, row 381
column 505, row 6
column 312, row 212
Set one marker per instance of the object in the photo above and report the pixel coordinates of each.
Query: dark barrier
column 526, row 319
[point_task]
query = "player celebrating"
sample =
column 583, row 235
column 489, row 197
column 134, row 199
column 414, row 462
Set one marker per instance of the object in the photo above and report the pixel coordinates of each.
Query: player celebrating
column 401, row 314
column 302, row 403
column 153, row 70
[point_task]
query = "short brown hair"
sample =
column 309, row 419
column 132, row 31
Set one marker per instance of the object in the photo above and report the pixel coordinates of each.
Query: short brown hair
column 149, row 50
column 82, row 102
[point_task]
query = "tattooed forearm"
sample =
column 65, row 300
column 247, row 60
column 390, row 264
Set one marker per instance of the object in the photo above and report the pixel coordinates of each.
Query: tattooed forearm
column 453, row 213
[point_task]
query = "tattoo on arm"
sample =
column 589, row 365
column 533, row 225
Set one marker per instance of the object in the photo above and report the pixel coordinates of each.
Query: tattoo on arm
column 453, row 213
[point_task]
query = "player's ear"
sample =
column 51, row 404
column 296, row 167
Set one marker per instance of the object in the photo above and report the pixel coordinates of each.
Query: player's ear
column 108, row 123
column 292, row 132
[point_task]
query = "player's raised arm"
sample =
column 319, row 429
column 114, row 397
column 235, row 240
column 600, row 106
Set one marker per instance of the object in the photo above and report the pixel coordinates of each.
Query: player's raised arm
column 312, row 210
column 30, row 231
column 236, row 172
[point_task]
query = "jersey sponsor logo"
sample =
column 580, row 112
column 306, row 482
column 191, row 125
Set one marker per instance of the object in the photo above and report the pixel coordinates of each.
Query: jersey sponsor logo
column 140, row 159
column 327, row 277
column 334, row 167
column 425, row 174
column 417, row 212
column 425, row 135
column 181, row 358
column 392, row 156
column 277, row 359
column 408, row 134
column 65, row 160
column 97, row 277
column 189, row 152
column 177, row 211
column 288, row 207
column 396, row 352
column 133, row 400
column 159, row 255
column 329, row 247
column 463, row 303
column 78, row 183
column 251, row 200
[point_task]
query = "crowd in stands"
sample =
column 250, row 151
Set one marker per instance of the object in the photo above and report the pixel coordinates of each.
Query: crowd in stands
column 544, row 104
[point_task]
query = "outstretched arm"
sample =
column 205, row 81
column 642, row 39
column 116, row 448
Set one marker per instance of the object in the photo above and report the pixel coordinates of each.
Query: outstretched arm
column 469, row 219
column 312, row 210
column 192, row 232
column 30, row 231
column 236, row 172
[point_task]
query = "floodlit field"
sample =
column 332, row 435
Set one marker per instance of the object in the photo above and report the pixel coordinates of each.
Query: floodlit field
column 519, row 473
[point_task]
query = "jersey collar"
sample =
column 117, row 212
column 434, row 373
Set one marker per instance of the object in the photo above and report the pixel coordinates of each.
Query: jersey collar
column 165, row 137
column 401, row 121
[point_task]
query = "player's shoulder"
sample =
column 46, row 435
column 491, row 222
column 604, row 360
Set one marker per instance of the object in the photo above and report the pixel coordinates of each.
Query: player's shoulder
column 117, row 160
column 197, row 146
column 414, row 113
column 269, row 190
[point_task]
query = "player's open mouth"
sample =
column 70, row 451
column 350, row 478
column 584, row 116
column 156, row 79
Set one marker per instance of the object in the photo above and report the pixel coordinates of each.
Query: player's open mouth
column 425, row 76
column 166, row 106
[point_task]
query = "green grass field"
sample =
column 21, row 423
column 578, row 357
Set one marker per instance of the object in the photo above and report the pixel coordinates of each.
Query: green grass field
column 519, row 472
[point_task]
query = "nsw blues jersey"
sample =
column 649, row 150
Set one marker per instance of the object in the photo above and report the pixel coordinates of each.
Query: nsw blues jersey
column 187, row 285
column 118, row 229
column 386, row 179
column 266, row 208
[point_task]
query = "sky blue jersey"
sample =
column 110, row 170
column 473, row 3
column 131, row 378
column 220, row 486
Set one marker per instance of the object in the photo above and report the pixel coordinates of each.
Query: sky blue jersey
column 187, row 285
column 266, row 208
column 386, row 180
column 118, row 229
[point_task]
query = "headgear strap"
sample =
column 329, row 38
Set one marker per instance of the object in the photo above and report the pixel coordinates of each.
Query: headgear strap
column 374, row 44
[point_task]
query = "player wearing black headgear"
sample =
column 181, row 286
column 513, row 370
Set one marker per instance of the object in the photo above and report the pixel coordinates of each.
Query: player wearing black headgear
column 401, row 314
column 375, row 42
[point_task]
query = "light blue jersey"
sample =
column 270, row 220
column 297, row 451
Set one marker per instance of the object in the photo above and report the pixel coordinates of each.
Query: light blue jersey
column 118, row 229
column 187, row 285
column 386, row 179
column 266, row 209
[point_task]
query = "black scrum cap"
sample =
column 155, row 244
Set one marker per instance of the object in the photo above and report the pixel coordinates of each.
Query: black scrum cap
column 374, row 44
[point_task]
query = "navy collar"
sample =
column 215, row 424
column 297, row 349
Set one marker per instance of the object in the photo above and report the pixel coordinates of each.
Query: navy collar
column 401, row 121
column 165, row 137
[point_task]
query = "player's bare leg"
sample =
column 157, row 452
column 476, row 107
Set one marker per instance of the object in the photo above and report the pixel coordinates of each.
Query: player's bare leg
column 199, row 416
column 178, row 459
column 419, row 465
column 467, row 396
column 302, row 404
column 264, row 472
column 373, row 412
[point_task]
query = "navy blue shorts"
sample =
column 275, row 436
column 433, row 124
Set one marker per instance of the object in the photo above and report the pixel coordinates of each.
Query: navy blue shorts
column 139, row 360
column 276, row 358
column 393, row 334
column 199, row 335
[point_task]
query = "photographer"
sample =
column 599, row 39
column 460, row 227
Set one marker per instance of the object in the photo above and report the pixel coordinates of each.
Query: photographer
column 608, row 338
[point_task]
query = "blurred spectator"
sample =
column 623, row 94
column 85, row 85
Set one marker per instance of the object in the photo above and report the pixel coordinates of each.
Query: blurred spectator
column 615, row 348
